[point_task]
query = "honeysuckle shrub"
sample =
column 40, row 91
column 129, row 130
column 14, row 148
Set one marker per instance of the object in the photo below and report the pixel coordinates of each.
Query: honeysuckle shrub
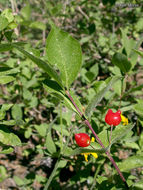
column 52, row 51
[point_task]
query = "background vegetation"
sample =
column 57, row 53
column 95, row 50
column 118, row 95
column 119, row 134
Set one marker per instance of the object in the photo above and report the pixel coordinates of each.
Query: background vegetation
column 35, row 125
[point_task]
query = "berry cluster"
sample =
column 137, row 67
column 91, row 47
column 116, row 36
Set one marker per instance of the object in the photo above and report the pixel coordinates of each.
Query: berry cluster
column 111, row 118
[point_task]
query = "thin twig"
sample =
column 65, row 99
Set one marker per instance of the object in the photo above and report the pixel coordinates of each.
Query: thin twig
column 83, row 13
column 52, row 174
column 96, row 173
column 57, row 163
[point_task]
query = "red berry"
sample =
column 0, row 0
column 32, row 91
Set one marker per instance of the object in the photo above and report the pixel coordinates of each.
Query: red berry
column 113, row 118
column 82, row 139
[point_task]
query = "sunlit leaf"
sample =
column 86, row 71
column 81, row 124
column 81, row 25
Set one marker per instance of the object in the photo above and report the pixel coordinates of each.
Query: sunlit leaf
column 131, row 163
column 64, row 52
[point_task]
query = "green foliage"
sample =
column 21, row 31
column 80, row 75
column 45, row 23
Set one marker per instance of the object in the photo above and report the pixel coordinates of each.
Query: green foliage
column 50, row 144
column 139, row 52
column 131, row 163
column 41, row 64
column 53, row 52
column 57, row 91
column 83, row 150
column 98, row 97
column 41, row 129
column 8, row 138
column 138, row 108
column 3, row 173
column 121, row 61
column 3, row 22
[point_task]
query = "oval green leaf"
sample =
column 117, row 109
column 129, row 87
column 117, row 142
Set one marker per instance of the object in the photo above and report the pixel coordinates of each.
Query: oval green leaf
column 6, row 150
column 8, row 138
column 50, row 144
column 131, row 163
column 65, row 52
column 121, row 61
column 6, row 79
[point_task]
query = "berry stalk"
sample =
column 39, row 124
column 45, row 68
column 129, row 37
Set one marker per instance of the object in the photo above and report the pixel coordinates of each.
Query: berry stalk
column 98, row 139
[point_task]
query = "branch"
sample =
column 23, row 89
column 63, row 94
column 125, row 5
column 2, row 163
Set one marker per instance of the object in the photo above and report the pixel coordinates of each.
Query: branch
column 98, row 140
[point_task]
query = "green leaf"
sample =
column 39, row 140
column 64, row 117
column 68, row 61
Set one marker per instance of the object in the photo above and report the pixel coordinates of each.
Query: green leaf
column 14, row 140
column 17, row 112
column 38, row 25
column 40, row 178
column 120, row 131
column 7, row 71
column 117, row 134
column 47, row 68
column 6, row 150
column 19, row 181
column 50, row 144
column 69, row 105
column 9, row 122
column 104, row 137
column 7, row 13
column 141, row 141
column 131, row 163
column 98, row 97
column 139, row 25
column 121, row 61
column 64, row 52
column 9, row 46
column 134, row 89
column 3, row 22
column 62, row 163
column 133, row 55
column 3, row 173
column 54, row 88
column 131, row 145
column 6, row 107
column 138, row 108
column 26, row 11
column 41, row 129
column 12, row 25
column 76, row 100
column 8, row 138
column 138, row 185
column 27, row 94
column 127, row 43
column 138, row 52
column 83, row 150
column 3, row 110
column 6, row 79
column 28, row 133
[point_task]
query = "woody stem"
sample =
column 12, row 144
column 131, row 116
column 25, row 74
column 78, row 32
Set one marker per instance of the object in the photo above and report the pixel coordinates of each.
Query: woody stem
column 98, row 139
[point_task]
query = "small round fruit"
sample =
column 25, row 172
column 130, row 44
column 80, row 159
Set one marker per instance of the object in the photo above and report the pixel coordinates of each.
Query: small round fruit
column 113, row 118
column 82, row 139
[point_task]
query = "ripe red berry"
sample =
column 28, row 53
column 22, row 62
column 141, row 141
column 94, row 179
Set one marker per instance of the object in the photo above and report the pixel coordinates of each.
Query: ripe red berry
column 82, row 139
column 113, row 118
